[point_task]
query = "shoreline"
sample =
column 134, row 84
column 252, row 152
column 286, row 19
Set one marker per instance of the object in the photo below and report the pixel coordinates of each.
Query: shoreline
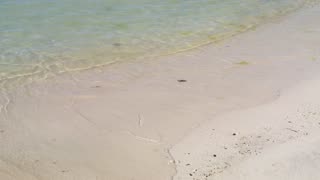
column 278, row 139
column 100, row 124
column 47, row 72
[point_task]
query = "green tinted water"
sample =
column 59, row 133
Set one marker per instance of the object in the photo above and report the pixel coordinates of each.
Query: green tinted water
column 45, row 37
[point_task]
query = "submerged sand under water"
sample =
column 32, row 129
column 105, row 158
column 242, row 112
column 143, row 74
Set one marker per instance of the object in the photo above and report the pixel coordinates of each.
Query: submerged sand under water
column 41, row 39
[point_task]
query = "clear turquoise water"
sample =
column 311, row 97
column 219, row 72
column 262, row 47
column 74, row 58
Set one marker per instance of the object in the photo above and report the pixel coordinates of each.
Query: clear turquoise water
column 39, row 38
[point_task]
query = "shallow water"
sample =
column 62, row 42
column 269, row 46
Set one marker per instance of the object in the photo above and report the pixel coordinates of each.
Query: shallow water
column 40, row 38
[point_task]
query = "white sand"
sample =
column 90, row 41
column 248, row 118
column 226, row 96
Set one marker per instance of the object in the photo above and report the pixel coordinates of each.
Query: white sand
column 279, row 140
column 119, row 122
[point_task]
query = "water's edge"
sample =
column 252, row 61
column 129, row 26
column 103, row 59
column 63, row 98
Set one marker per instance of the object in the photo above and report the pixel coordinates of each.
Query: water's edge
column 91, row 58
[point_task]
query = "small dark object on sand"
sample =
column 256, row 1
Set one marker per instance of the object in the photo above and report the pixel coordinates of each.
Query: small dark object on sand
column 214, row 155
column 97, row 86
column 182, row 80
column 234, row 134
column 116, row 44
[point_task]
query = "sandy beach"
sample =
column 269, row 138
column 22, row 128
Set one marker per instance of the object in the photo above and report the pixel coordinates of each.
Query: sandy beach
column 244, row 108
column 278, row 140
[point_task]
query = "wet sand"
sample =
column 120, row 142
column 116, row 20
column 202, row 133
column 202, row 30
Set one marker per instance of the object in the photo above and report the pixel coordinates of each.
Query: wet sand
column 166, row 118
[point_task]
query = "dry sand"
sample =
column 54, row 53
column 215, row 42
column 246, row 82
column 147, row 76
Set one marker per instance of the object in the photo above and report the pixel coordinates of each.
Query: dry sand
column 136, row 121
column 279, row 140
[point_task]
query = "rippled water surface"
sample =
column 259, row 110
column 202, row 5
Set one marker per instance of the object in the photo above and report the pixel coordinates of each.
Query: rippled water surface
column 47, row 37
